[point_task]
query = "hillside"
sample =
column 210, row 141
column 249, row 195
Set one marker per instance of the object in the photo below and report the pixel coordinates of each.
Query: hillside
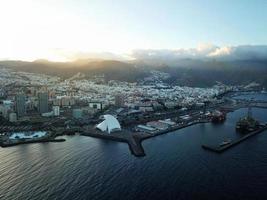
column 113, row 70
column 188, row 72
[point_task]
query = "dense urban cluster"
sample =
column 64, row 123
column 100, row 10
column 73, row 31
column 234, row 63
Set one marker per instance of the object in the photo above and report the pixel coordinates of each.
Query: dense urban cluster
column 29, row 94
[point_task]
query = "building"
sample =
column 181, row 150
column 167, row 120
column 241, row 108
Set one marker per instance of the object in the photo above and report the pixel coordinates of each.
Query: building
column 5, row 108
column 110, row 124
column 67, row 101
column 168, row 122
column 12, row 117
column 48, row 114
column 56, row 110
column 146, row 129
column 119, row 100
column 96, row 105
column 157, row 125
column 31, row 103
column 20, row 105
column 57, row 102
column 43, row 102
column 77, row 113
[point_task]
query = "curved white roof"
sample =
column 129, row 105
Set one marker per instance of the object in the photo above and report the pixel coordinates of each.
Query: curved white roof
column 110, row 124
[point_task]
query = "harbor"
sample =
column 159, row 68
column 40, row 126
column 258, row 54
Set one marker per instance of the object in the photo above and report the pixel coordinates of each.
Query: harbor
column 135, row 139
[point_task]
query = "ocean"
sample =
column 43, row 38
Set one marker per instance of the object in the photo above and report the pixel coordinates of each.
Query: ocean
column 175, row 167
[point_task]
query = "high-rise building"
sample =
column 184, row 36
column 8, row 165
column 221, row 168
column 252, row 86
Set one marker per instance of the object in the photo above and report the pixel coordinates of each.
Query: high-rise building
column 20, row 105
column 43, row 102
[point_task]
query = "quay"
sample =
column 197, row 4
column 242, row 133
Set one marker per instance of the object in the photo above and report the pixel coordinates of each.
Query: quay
column 220, row 149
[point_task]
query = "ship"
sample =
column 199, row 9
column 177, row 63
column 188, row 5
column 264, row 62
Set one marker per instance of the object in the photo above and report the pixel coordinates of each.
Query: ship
column 226, row 142
column 218, row 116
column 247, row 123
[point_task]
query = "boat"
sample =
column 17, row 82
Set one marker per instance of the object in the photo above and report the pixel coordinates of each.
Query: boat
column 225, row 142
column 218, row 116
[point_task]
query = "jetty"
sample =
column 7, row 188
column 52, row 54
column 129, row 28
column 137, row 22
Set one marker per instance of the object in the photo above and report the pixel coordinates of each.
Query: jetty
column 119, row 136
column 134, row 139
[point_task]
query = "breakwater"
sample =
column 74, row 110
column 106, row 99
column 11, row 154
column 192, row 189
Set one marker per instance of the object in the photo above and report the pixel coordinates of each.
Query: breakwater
column 220, row 149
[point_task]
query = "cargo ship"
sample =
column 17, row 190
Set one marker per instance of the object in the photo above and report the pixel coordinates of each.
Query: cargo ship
column 218, row 116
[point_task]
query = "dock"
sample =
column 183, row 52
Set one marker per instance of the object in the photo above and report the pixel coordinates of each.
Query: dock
column 220, row 149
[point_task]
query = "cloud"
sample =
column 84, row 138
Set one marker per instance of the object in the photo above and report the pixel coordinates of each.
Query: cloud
column 69, row 55
column 251, row 52
column 204, row 51
column 164, row 56
column 221, row 51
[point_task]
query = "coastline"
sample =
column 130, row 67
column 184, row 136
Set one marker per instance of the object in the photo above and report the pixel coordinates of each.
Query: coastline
column 133, row 139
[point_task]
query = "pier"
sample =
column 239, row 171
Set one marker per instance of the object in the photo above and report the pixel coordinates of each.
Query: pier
column 220, row 149
column 120, row 136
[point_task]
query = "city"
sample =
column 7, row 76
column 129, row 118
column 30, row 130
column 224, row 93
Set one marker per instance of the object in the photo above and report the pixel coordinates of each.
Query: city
column 133, row 100
column 38, row 107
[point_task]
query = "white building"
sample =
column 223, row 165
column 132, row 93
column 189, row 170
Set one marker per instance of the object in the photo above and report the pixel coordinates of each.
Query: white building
column 110, row 124
column 56, row 110
column 96, row 105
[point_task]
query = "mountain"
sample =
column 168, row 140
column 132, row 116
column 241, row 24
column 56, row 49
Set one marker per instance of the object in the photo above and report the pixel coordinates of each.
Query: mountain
column 113, row 70
column 202, row 73
column 187, row 72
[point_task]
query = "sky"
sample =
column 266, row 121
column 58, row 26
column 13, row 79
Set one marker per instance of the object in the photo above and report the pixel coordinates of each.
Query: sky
column 69, row 29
